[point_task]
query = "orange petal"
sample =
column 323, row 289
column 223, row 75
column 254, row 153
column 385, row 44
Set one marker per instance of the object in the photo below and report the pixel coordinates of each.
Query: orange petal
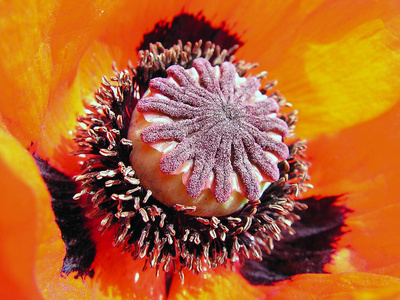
column 77, row 25
column 219, row 284
column 42, row 44
column 336, row 61
column 337, row 286
column 222, row 284
column 22, row 188
column 372, row 236
column 363, row 162
column 25, row 66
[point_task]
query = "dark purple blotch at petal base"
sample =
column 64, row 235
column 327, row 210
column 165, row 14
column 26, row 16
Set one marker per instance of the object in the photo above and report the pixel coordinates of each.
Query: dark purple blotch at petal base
column 70, row 218
column 305, row 252
column 189, row 28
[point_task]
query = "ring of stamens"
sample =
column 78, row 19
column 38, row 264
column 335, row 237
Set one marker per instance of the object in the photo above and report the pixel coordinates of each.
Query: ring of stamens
column 168, row 237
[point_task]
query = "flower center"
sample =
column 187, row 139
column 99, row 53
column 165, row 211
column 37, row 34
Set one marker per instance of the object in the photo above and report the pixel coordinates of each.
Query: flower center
column 207, row 138
column 193, row 172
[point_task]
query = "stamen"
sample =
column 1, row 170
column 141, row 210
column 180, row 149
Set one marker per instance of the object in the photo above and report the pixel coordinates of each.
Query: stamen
column 175, row 236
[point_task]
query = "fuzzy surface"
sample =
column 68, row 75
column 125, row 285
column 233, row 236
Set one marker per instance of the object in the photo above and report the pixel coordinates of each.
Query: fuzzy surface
column 216, row 127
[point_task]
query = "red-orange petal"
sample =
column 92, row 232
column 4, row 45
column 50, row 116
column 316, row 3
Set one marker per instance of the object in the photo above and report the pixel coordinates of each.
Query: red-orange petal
column 21, row 190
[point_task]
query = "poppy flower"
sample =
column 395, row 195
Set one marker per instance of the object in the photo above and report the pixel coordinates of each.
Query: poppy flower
column 336, row 62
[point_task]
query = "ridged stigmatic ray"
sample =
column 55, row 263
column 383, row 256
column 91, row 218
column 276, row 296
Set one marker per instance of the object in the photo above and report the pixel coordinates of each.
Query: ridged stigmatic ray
column 218, row 125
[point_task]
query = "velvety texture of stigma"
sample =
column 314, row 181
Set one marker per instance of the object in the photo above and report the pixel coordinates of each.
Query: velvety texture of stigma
column 218, row 126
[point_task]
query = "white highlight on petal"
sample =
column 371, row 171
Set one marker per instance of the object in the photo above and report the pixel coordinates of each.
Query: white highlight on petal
column 172, row 80
column 273, row 115
column 217, row 72
column 155, row 118
column 136, row 278
column 193, row 73
column 164, row 147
